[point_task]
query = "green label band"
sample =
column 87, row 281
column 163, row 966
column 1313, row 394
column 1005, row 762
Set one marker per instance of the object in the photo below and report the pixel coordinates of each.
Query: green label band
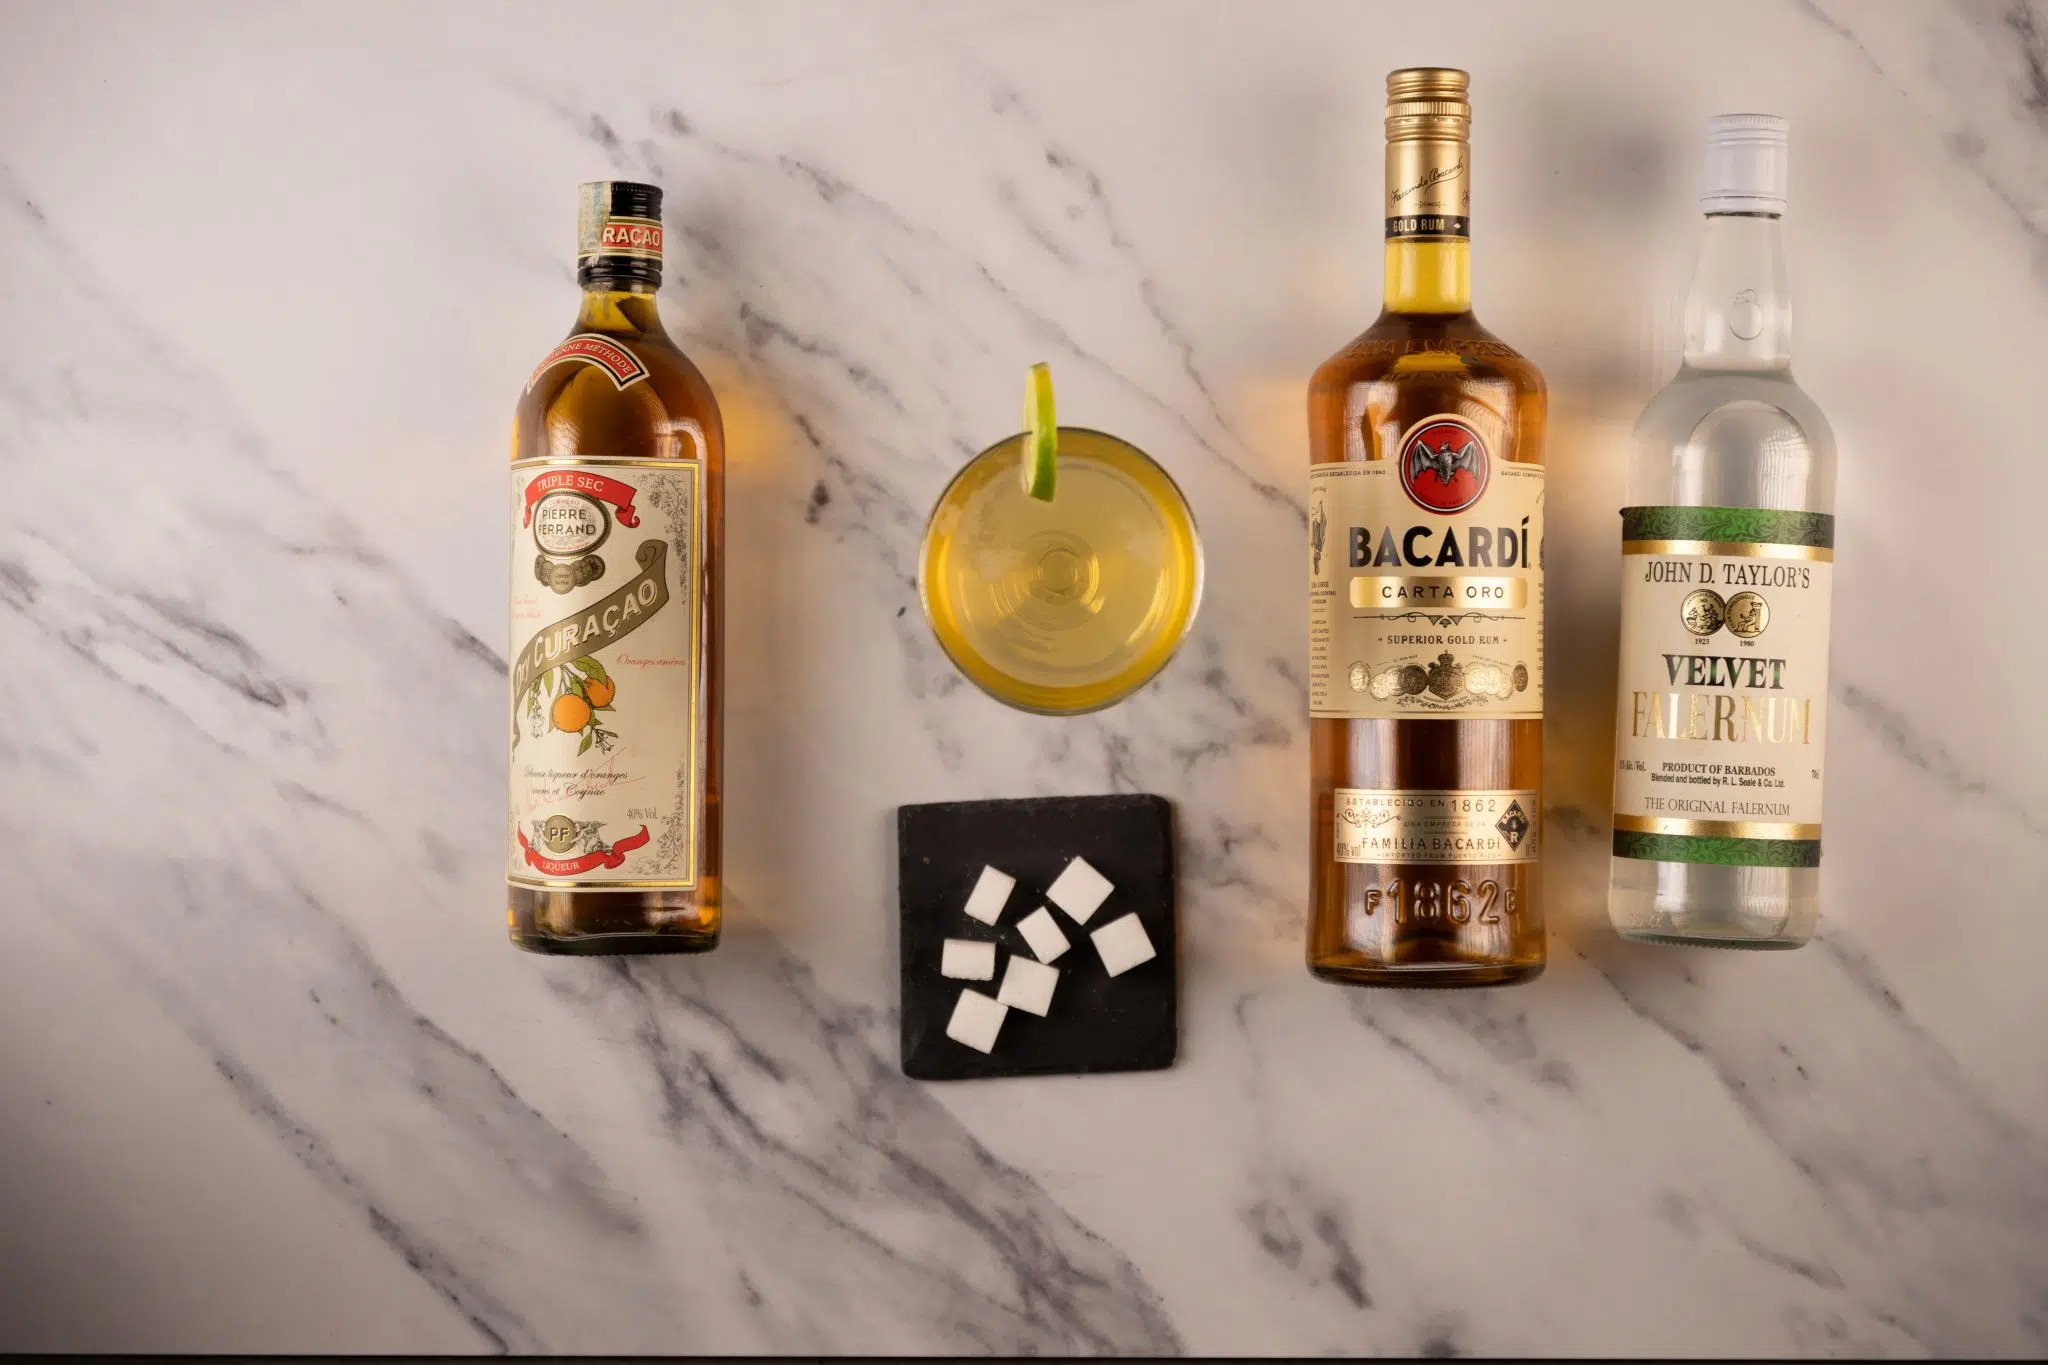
column 1750, row 525
column 1693, row 848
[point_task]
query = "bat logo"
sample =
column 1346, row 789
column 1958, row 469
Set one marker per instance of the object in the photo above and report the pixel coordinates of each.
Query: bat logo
column 1444, row 465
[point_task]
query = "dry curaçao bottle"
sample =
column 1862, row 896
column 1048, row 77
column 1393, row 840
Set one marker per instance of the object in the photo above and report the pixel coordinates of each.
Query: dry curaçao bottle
column 1727, row 570
column 1425, row 562
column 617, row 513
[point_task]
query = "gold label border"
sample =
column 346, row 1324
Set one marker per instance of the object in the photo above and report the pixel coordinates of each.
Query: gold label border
column 695, row 603
column 1514, row 586
column 1447, row 823
column 1713, row 829
column 1729, row 549
column 557, row 884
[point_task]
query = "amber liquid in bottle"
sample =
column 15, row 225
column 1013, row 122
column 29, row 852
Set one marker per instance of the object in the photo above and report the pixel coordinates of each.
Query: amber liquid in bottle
column 576, row 411
column 1427, row 923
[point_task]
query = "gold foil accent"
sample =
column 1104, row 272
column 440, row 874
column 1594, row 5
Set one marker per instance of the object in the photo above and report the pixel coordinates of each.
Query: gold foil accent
column 1428, row 102
column 1446, row 827
column 1729, row 549
column 557, row 884
column 1749, row 615
column 1714, row 829
column 1429, row 124
column 1703, row 611
column 1438, row 592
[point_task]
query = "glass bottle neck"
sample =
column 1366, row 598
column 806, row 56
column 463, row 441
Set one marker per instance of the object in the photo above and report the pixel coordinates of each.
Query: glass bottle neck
column 1739, row 313
column 1428, row 276
column 618, row 307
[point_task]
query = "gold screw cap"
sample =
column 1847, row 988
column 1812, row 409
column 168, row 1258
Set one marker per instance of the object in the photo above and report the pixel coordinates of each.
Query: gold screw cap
column 1428, row 102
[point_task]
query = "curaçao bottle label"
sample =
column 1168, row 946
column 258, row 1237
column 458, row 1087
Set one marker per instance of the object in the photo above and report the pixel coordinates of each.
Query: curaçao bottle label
column 607, row 596
column 1722, row 711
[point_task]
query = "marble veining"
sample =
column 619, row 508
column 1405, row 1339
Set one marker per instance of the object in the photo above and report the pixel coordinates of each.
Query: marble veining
column 275, row 1082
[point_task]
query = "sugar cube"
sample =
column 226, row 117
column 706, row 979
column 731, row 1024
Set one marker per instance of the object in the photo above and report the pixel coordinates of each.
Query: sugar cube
column 1042, row 933
column 1080, row 890
column 966, row 959
column 991, row 893
column 1123, row 944
column 976, row 1021
column 1027, row 985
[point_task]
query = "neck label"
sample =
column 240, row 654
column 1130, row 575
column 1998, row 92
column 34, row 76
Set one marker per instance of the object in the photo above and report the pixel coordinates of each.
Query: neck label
column 1429, row 189
column 637, row 238
column 619, row 364
column 1429, row 227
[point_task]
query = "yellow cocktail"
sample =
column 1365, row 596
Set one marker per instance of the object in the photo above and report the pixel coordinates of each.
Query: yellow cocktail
column 1064, row 605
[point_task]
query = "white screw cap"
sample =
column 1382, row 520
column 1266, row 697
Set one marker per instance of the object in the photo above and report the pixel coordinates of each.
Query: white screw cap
column 1747, row 158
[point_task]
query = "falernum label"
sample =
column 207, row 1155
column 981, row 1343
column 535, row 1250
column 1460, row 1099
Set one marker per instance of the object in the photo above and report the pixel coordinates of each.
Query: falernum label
column 1426, row 580
column 607, row 586
column 1722, row 713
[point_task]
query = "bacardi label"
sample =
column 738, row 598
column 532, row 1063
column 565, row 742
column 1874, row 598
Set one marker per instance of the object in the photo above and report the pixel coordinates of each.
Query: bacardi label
column 607, row 596
column 1722, row 712
column 1426, row 580
column 1374, row 826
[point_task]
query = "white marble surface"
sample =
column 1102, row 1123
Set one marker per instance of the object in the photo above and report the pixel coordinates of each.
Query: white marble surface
column 270, row 1077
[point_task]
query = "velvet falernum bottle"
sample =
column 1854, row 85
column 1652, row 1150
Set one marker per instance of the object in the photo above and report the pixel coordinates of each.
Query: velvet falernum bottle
column 1727, row 568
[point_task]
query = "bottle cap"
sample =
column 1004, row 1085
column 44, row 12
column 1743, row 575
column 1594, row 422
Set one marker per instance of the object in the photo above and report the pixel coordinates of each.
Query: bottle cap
column 618, row 230
column 1747, row 157
column 1429, row 128
column 1427, row 102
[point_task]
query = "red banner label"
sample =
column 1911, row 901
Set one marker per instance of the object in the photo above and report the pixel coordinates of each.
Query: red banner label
column 609, row 858
column 631, row 236
column 619, row 495
column 615, row 360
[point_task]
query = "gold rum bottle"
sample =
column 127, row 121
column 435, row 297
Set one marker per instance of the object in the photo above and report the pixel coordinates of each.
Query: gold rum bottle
column 618, row 514
column 1426, row 602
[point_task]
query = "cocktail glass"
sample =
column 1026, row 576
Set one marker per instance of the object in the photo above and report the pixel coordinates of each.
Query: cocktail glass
column 1067, row 605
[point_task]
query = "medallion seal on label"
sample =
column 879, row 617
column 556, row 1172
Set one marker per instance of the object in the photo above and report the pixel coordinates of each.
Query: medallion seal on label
column 1444, row 466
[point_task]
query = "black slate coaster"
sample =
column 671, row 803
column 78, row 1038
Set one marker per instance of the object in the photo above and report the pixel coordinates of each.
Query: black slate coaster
column 1097, row 1022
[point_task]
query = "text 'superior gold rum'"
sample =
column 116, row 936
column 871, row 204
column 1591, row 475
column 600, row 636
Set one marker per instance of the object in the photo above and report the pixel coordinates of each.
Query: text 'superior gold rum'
column 1425, row 564
column 617, row 513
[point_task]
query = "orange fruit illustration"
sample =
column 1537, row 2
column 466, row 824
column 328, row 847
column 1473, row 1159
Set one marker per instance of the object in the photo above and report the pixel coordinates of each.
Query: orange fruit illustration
column 601, row 691
column 570, row 712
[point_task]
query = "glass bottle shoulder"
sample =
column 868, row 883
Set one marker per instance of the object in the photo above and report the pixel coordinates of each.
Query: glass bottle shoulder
column 576, row 409
column 1734, row 438
column 1407, row 367
column 1403, row 346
